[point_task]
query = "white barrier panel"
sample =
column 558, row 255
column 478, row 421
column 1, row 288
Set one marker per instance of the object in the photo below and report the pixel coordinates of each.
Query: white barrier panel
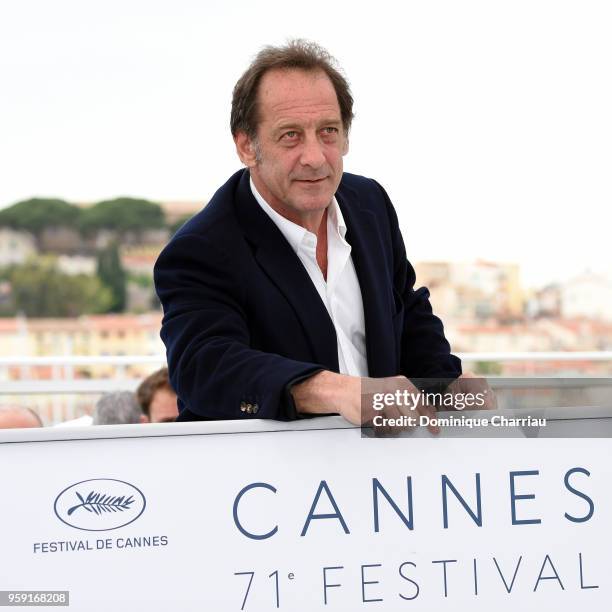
column 307, row 516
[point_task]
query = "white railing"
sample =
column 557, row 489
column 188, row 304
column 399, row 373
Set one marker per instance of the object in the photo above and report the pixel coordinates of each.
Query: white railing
column 78, row 386
column 538, row 356
column 63, row 380
column 118, row 360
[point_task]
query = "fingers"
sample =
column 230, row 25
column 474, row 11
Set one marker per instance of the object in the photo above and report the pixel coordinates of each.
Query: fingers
column 430, row 413
column 394, row 404
column 471, row 392
column 422, row 409
column 490, row 399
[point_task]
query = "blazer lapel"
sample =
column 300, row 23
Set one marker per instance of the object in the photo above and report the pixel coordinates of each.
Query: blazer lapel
column 278, row 260
column 367, row 252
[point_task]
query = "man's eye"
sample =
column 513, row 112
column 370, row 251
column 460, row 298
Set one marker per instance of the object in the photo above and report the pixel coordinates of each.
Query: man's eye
column 330, row 130
column 290, row 135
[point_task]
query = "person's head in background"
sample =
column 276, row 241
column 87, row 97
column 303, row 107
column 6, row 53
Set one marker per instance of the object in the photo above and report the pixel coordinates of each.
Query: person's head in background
column 157, row 398
column 119, row 407
column 13, row 417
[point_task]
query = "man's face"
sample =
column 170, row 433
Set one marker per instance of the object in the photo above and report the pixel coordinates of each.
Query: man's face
column 296, row 160
column 163, row 408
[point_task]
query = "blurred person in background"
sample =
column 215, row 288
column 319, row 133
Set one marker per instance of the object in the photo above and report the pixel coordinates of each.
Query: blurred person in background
column 157, row 398
column 13, row 417
column 119, row 407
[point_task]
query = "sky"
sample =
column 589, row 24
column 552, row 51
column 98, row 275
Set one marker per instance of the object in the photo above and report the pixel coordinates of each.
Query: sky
column 487, row 122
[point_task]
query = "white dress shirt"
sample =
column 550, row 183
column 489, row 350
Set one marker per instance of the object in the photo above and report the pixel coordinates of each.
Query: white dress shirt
column 341, row 293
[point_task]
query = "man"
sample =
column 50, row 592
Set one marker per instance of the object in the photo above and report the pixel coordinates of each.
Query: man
column 292, row 287
column 118, row 407
column 157, row 399
column 13, row 417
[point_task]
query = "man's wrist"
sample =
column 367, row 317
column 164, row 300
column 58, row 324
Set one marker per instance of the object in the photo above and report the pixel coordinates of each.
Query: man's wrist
column 327, row 393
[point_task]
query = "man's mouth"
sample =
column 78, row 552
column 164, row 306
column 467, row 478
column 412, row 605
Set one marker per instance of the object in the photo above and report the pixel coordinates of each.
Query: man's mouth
column 312, row 181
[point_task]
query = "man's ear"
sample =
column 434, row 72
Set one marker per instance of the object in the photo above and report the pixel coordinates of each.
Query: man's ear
column 345, row 148
column 245, row 147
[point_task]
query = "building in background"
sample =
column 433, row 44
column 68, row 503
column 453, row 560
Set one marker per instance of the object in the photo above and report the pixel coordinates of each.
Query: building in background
column 90, row 335
column 588, row 295
column 15, row 246
column 76, row 264
column 477, row 291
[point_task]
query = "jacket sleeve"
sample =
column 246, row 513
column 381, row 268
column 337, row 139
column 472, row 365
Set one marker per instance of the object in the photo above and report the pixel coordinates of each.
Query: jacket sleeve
column 425, row 351
column 213, row 370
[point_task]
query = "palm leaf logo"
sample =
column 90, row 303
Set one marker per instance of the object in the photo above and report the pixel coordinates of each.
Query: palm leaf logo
column 99, row 503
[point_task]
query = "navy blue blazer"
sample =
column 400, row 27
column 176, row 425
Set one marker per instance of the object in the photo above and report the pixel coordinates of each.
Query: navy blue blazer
column 243, row 321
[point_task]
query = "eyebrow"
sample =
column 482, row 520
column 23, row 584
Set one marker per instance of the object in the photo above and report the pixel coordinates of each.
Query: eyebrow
column 296, row 126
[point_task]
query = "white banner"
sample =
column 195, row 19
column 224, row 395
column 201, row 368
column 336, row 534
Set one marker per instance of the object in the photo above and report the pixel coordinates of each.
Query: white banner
column 306, row 516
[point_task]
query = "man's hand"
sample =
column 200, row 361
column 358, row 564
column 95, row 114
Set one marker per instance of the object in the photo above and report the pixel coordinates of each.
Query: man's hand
column 353, row 398
column 408, row 401
column 329, row 393
column 469, row 383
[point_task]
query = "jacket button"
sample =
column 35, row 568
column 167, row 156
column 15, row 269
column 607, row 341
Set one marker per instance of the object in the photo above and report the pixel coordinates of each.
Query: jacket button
column 243, row 406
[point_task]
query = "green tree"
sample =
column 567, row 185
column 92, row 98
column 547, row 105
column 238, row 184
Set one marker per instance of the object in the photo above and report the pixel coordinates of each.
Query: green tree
column 141, row 280
column 486, row 368
column 112, row 275
column 37, row 213
column 122, row 215
column 39, row 289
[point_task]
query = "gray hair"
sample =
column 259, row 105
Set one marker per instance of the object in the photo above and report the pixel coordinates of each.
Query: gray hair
column 116, row 408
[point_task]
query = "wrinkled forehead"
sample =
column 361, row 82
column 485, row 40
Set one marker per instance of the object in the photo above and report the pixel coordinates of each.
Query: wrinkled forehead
column 286, row 92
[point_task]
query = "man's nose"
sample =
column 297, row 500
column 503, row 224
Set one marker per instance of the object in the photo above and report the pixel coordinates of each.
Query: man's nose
column 312, row 152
